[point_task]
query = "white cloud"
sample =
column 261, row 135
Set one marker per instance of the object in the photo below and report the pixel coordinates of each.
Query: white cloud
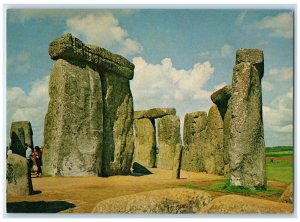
column 104, row 30
column 267, row 86
column 241, row 17
column 278, row 116
column 280, row 25
column 282, row 74
column 162, row 84
column 19, row 63
column 225, row 51
column 30, row 106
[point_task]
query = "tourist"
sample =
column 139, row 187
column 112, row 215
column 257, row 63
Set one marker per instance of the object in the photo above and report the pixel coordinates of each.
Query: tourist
column 38, row 160
column 29, row 155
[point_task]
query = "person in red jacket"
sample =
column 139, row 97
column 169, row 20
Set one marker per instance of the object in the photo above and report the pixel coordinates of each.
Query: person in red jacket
column 37, row 155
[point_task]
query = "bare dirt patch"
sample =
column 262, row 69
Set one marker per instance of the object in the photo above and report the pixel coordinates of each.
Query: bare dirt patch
column 86, row 192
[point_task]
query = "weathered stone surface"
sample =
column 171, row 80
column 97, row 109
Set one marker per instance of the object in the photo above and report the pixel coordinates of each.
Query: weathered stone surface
column 70, row 48
column 226, row 131
column 288, row 195
column 168, row 139
column 213, row 154
column 194, row 137
column 145, row 142
column 247, row 147
column 20, row 133
column 74, row 121
column 89, row 124
column 165, row 201
column 118, row 142
column 177, row 162
column 154, row 113
column 236, row 204
column 18, row 176
column 253, row 56
column 140, row 169
column 220, row 98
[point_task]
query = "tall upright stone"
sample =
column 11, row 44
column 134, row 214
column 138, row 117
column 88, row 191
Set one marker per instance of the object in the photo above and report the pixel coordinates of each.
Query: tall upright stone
column 222, row 98
column 177, row 162
column 214, row 151
column 118, row 142
column 74, row 121
column 168, row 139
column 194, row 137
column 145, row 142
column 20, row 133
column 247, row 146
column 89, row 124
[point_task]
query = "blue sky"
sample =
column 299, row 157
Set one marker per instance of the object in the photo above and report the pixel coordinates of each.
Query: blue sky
column 181, row 57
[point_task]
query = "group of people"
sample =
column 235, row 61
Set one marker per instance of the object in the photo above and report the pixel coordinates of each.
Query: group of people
column 35, row 156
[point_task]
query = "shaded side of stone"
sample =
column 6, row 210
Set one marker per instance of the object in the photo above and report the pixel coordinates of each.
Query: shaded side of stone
column 214, row 152
column 20, row 133
column 140, row 169
column 74, row 121
column 177, row 162
column 227, row 127
column 18, row 176
column 194, row 137
column 154, row 113
column 118, row 142
column 247, row 147
column 168, row 139
column 221, row 97
column 145, row 142
column 70, row 48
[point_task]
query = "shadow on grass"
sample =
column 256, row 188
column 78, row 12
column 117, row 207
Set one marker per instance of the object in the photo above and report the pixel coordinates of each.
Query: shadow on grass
column 38, row 206
column 35, row 192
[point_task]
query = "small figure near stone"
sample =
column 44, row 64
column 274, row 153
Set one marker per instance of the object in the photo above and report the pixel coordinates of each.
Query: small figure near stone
column 37, row 155
column 29, row 155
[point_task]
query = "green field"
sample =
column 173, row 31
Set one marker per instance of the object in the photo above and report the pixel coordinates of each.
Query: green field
column 280, row 170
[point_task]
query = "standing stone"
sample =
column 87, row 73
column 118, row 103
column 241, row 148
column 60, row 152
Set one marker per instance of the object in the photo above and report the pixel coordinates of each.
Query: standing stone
column 145, row 142
column 194, row 137
column 73, row 125
column 214, row 151
column 118, row 143
column 18, row 176
column 168, row 139
column 222, row 98
column 177, row 162
column 89, row 124
column 20, row 133
column 247, row 146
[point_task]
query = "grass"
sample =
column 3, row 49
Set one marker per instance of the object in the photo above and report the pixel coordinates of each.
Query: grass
column 225, row 187
column 278, row 170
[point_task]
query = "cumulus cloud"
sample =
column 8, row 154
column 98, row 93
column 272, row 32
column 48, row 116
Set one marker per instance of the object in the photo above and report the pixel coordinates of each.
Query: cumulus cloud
column 278, row 116
column 104, row 30
column 225, row 51
column 240, row 18
column 280, row 25
column 19, row 63
column 162, row 84
column 276, row 76
column 32, row 106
